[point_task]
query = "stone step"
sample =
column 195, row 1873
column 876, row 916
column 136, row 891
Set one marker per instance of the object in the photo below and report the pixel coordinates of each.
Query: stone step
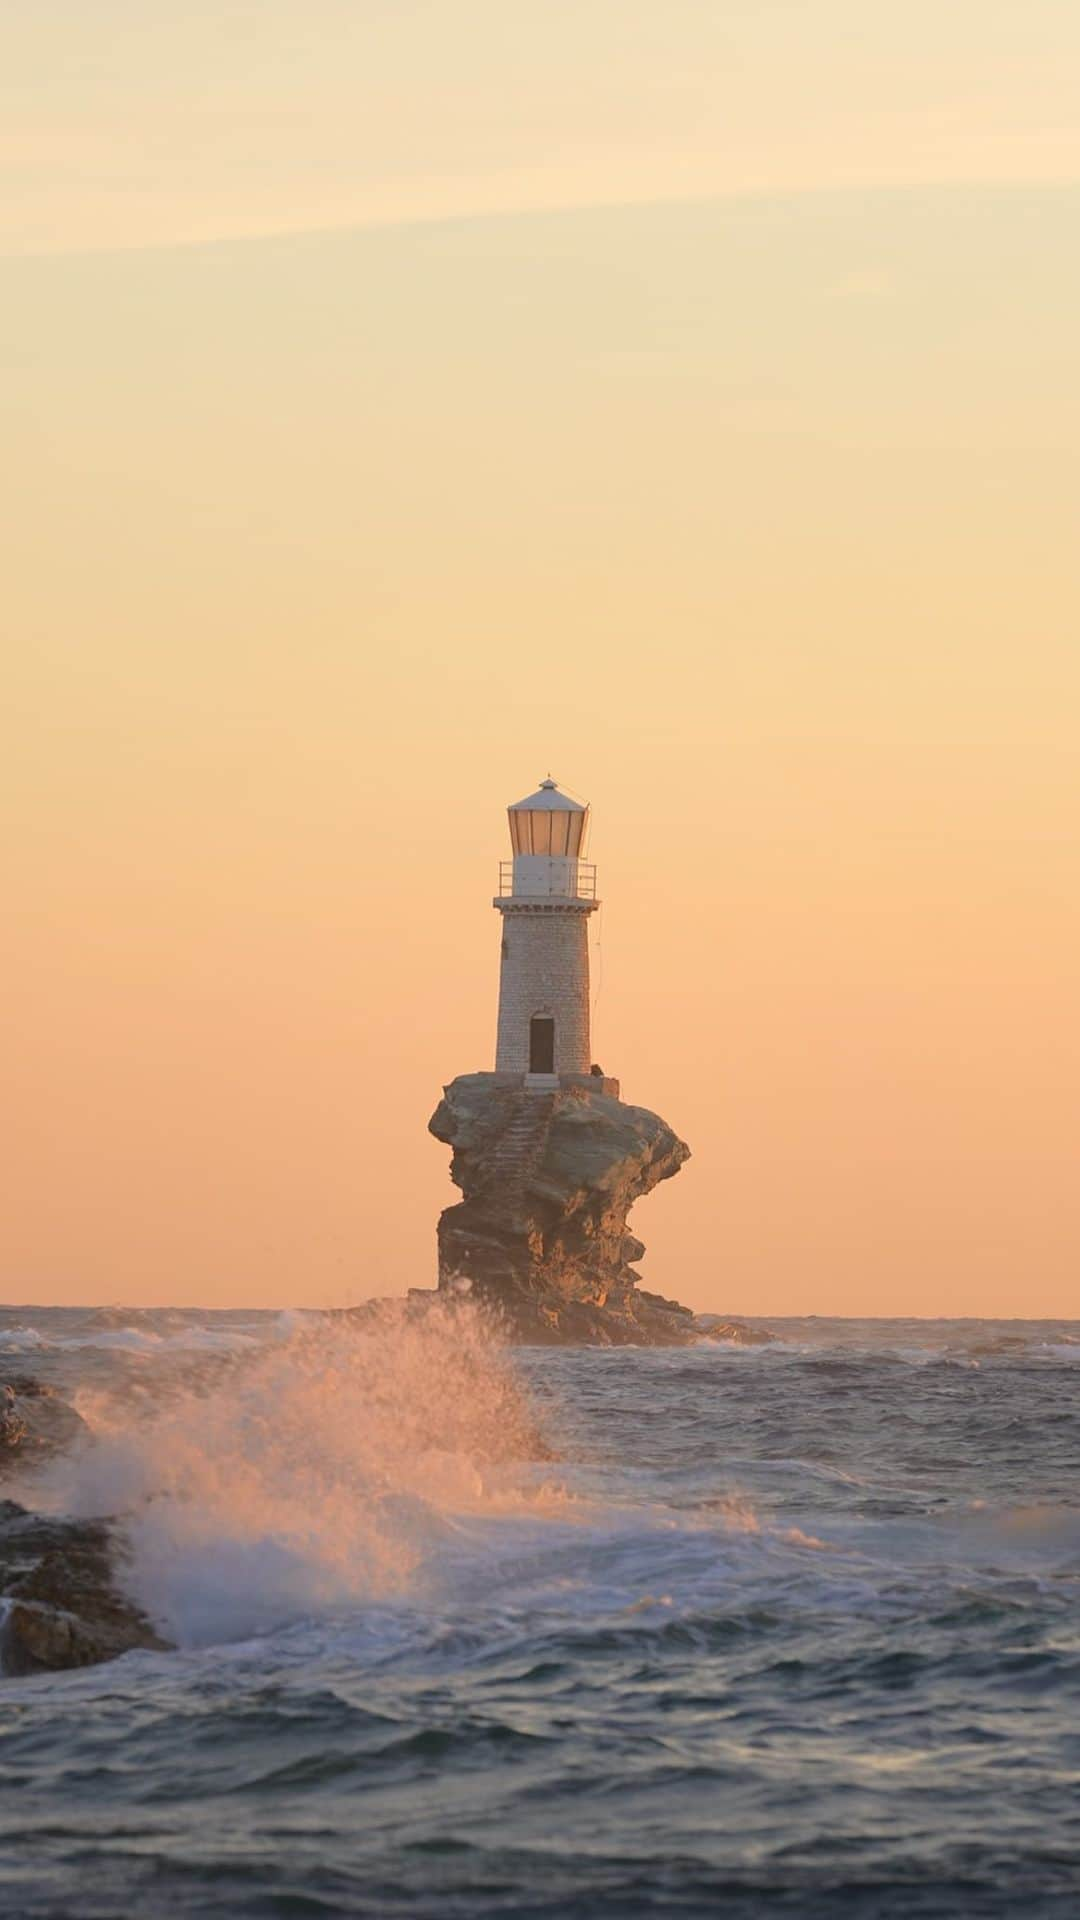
column 516, row 1151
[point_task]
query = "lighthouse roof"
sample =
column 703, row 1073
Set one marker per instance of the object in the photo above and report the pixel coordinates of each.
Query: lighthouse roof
column 548, row 799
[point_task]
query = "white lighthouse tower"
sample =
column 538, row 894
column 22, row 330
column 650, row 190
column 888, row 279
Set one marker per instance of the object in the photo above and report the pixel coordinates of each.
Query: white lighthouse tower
column 546, row 894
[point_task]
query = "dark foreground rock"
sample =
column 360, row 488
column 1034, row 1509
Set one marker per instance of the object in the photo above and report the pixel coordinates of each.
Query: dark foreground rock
column 540, row 1235
column 59, row 1604
column 35, row 1422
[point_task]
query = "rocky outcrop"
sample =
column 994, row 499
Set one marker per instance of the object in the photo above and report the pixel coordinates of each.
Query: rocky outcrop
column 35, row 1423
column 735, row 1333
column 59, row 1605
column 540, row 1236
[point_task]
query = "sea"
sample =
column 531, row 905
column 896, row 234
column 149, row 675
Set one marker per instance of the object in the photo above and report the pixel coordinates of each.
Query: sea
column 464, row 1630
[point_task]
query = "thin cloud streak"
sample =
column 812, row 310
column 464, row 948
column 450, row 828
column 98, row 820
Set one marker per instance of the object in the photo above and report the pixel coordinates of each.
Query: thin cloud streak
column 129, row 219
column 155, row 127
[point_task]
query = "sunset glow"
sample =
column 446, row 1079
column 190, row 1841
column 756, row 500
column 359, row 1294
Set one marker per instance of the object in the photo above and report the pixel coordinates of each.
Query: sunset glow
column 718, row 457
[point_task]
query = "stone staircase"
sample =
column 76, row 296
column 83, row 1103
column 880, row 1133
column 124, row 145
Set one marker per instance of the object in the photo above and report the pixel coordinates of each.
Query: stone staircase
column 518, row 1149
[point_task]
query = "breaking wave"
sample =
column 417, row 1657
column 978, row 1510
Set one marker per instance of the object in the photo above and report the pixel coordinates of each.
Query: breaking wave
column 324, row 1469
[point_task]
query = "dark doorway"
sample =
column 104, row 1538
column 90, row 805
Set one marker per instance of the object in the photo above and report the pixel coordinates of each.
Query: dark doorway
column 541, row 1043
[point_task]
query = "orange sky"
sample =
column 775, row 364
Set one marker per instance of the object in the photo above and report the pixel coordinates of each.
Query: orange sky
column 700, row 424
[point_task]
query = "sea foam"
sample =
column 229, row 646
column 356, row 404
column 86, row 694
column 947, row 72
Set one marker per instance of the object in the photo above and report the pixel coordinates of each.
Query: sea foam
column 321, row 1470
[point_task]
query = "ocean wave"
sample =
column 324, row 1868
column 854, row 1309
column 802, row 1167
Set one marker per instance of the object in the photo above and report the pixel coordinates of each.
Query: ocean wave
column 588, row 1633
column 329, row 1467
column 399, row 1462
column 129, row 1339
column 23, row 1340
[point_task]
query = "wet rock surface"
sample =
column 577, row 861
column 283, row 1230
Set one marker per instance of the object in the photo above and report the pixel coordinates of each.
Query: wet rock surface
column 737, row 1332
column 35, row 1422
column 540, row 1235
column 59, row 1604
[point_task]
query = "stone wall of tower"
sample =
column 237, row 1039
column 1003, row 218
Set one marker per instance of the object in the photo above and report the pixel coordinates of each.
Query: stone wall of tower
column 545, row 970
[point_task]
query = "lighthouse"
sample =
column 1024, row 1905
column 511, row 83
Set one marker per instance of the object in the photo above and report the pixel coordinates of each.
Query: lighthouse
column 547, row 1156
column 546, row 893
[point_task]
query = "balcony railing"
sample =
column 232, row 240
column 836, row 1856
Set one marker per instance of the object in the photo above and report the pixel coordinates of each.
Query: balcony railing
column 548, row 878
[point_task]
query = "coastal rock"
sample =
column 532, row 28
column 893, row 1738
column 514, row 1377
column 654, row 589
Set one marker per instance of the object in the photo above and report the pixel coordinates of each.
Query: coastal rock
column 540, row 1235
column 35, row 1422
column 735, row 1332
column 59, row 1604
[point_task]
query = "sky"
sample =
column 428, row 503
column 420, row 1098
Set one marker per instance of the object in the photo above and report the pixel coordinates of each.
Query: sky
column 403, row 400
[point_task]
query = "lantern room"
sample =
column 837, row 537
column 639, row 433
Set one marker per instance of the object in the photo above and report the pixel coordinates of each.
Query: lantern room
column 549, row 823
column 548, row 833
